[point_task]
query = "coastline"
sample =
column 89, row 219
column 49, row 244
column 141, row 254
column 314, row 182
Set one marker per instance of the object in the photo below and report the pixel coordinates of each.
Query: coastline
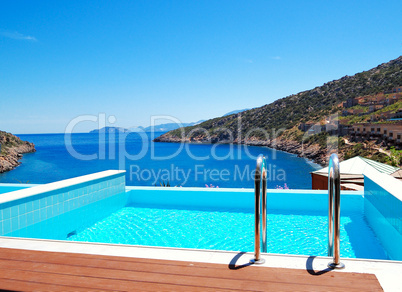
column 310, row 152
column 12, row 148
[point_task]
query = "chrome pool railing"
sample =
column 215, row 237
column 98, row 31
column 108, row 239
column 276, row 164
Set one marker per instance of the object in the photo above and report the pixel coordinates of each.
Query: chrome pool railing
column 334, row 212
column 260, row 205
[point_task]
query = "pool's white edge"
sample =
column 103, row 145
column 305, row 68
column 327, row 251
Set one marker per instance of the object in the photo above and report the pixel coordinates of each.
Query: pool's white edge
column 388, row 272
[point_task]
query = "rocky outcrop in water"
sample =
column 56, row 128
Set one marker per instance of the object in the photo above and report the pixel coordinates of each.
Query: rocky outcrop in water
column 11, row 150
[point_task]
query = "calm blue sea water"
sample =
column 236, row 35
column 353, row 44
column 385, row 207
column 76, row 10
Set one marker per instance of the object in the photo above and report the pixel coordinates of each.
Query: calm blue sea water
column 149, row 163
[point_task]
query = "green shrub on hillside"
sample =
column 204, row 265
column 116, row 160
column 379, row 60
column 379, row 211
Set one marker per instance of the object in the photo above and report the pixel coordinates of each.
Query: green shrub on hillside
column 357, row 150
column 320, row 139
column 396, row 157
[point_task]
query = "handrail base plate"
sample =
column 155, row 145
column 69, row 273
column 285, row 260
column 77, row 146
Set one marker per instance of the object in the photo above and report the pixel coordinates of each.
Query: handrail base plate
column 257, row 262
column 333, row 266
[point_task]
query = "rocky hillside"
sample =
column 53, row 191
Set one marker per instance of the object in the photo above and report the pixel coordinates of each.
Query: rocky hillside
column 12, row 149
column 285, row 114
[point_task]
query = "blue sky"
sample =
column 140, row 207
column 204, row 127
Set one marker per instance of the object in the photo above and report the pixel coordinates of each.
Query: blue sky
column 189, row 59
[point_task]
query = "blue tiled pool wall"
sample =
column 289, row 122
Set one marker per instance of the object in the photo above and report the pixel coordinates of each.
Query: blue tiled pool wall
column 56, row 213
column 240, row 200
column 383, row 213
column 72, row 222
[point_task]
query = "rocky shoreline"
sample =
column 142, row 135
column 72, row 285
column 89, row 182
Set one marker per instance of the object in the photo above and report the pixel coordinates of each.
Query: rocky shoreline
column 11, row 150
column 312, row 152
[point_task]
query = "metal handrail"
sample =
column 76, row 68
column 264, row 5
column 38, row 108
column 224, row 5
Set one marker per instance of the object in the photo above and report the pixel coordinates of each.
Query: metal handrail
column 334, row 212
column 260, row 205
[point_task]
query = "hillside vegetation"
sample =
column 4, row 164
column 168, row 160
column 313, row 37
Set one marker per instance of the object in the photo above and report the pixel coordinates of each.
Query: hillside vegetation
column 285, row 114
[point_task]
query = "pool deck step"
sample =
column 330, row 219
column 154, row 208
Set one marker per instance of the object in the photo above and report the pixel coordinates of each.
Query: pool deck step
column 27, row 270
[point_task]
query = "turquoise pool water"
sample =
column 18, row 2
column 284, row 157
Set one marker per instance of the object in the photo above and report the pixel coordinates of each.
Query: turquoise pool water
column 11, row 188
column 288, row 232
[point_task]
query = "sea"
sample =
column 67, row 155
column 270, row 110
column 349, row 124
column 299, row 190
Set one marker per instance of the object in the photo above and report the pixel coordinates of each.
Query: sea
column 63, row 156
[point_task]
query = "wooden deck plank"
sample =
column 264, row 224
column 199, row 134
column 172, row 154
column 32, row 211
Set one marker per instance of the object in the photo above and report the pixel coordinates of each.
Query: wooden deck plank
column 22, row 285
column 89, row 283
column 126, row 263
column 146, row 272
column 259, row 276
column 199, row 269
column 155, row 277
column 137, row 277
column 121, row 273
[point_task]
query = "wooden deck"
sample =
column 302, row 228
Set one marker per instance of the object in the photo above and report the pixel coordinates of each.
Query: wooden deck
column 23, row 270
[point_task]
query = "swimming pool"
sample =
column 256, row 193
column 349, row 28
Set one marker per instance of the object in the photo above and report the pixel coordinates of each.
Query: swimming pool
column 102, row 209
